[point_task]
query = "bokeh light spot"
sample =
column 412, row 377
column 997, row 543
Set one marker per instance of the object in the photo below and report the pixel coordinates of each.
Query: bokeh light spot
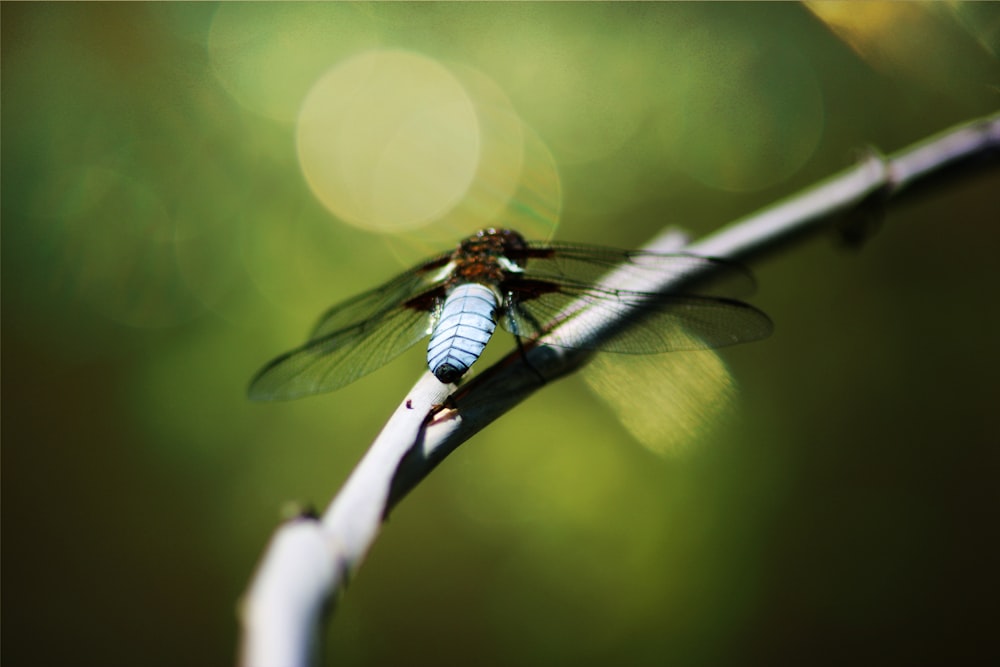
column 582, row 89
column 267, row 55
column 516, row 183
column 666, row 401
column 536, row 207
column 915, row 40
column 388, row 140
column 746, row 117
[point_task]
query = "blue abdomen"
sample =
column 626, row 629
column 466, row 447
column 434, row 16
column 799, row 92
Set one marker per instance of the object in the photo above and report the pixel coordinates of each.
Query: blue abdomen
column 467, row 321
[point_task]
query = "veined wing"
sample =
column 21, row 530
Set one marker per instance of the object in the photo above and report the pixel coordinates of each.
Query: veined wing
column 378, row 301
column 331, row 360
column 699, row 317
column 585, row 265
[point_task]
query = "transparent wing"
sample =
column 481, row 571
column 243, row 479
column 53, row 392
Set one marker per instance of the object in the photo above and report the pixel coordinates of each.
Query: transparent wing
column 378, row 301
column 643, row 323
column 556, row 288
column 331, row 360
column 585, row 265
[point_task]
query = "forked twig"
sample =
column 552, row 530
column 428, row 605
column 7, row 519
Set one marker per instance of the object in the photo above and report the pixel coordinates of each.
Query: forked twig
column 309, row 560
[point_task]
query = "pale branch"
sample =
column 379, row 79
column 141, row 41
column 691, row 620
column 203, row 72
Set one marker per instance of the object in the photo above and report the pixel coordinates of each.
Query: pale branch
column 309, row 561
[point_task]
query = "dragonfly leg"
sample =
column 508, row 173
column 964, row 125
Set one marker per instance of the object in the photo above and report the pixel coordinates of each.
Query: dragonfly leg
column 524, row 358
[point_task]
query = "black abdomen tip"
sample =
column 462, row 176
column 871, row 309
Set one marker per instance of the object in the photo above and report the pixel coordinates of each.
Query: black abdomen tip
column 448, row 374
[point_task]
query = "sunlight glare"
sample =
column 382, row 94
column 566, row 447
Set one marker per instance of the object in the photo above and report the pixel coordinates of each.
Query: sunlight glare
column 666, row 401
column 388, row 140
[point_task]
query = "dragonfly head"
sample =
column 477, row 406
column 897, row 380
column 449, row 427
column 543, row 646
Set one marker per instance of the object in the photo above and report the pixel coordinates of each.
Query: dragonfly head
column 507, row 237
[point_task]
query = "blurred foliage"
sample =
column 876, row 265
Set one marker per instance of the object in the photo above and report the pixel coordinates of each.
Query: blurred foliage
column 164, row 235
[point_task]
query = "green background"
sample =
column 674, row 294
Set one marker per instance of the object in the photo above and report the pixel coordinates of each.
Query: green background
column 160, row 244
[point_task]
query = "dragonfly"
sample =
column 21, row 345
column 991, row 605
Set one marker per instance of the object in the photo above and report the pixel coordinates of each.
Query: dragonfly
column 529, row 288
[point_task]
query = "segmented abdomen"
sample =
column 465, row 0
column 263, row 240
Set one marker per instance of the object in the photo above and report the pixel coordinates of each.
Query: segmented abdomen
column 468, row 319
